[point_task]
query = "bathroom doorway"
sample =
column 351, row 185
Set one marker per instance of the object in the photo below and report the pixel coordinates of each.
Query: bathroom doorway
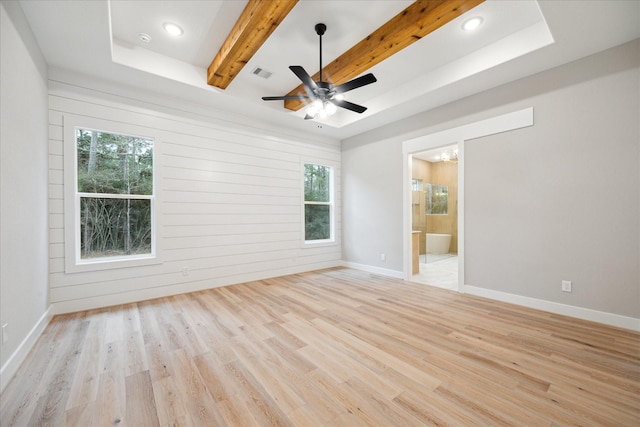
column 460, row 135
column 434, row 216
column 448, row 137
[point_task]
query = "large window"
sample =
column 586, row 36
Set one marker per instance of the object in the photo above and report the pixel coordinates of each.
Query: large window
column 113, row 202
column 115, row 190
column 318, row 203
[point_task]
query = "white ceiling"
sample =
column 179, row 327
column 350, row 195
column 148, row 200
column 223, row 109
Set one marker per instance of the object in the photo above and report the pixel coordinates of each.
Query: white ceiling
column 98, row 38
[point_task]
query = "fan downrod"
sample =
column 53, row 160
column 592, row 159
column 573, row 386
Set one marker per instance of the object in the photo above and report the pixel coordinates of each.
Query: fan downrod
column 320, row 29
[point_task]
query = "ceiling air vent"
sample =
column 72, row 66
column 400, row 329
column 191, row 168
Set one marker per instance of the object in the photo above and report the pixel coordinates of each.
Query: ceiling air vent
column 261, row 72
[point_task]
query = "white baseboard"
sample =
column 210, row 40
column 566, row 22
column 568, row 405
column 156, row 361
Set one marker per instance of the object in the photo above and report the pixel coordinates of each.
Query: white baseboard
column 10, row 368
column 552, row 307
column 137, row 295
column 376, row 270
column 557, row 308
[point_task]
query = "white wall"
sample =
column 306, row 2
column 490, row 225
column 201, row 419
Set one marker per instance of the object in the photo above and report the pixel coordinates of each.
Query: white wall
column 558, row 200
column 229, row 197
column 372, row 217
column 23, row 194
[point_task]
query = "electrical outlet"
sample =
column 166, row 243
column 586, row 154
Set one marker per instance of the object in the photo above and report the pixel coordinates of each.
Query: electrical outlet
column 566, row 286
column 5, row 336
column 185, row 271
column 383, row 257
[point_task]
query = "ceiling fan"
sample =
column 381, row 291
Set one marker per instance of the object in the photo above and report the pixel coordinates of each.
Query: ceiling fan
column 325, row 96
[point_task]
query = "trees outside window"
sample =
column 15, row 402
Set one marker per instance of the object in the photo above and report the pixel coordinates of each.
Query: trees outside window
column 318, row 202
column 437, row 199
column 114, row 194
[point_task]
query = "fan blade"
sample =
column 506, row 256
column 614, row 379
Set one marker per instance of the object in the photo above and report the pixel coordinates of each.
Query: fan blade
column 310, row 86
column 283, row 98
column 349, row 106
column 356, row 83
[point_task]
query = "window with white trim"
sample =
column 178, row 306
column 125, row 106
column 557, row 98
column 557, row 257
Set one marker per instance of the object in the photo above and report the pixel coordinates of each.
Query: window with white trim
column 112, row 198
column 319, row 212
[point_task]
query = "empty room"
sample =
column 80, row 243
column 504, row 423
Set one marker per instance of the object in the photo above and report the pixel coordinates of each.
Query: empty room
column 320, row 213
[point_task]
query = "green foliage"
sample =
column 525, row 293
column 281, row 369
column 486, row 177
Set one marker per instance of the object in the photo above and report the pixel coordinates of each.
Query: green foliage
column 437, row 199
column 317, row 188
column 316, row 183
column 114, row 164
column 114, row 227
column 440, row 204
column 317, row 222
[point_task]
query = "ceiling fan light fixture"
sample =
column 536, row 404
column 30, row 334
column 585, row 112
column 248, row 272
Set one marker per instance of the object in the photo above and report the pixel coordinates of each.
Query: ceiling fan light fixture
column 472, row 23
column 326, row 97
column 173, row 29
column 319, row 109
column 314, row 108
column 330, row 108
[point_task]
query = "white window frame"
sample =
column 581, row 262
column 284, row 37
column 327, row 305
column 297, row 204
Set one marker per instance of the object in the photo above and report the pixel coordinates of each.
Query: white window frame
column 73, row 261
column 331, row 203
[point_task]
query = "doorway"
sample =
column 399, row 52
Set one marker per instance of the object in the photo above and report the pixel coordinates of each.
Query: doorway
column 456, row 135
column 434, row 216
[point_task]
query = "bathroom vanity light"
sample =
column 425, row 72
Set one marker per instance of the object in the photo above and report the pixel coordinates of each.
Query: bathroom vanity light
column 446, row 157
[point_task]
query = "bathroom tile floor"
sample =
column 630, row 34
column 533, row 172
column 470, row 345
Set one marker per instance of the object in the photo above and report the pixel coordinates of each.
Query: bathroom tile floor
column 438, row 270
column 430, row 258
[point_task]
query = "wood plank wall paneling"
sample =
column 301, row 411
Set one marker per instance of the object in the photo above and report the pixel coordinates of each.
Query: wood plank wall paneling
column 336, row 347
column 229, row 206
column 420, row 170
column 442, row 173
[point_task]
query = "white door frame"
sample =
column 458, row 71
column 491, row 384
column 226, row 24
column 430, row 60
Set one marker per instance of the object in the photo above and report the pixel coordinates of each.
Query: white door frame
column 458, row 135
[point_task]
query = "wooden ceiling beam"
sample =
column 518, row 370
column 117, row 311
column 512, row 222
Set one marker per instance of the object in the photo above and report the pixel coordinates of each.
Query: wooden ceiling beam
column 416, row 21
column 256, row 23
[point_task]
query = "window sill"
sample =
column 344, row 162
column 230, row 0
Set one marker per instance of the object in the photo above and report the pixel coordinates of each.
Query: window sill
column 318, row 243
column 111, row 264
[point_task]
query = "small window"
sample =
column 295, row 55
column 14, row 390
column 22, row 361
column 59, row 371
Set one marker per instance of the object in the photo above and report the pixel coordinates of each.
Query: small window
column 437, row 199
column 318, row 203
column 115, row 194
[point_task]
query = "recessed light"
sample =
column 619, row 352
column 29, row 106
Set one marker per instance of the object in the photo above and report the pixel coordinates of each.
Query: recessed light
column 472, row 23
column 173, row 29
column 144, row 37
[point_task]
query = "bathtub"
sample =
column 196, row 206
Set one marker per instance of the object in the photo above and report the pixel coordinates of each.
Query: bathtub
column 438, row 243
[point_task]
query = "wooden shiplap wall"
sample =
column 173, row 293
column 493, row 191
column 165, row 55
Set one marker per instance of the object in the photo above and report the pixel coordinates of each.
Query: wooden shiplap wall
column 229, row 203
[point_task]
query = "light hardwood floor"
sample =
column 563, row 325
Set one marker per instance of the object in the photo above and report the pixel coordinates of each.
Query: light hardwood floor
column 336, row 347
